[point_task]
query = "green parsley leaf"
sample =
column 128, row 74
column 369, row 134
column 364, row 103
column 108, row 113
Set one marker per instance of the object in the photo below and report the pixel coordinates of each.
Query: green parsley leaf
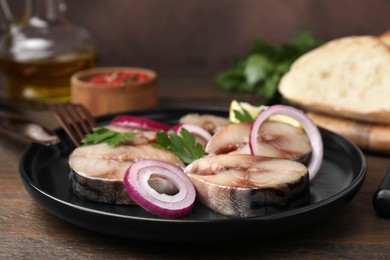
column 303, row 40
column 183, row 146
column 256, row 69
column 104, row 135
column 243, row 115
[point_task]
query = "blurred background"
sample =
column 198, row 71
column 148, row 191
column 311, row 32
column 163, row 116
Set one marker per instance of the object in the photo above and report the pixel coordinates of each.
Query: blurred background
column 174, row 36
column 208, row 34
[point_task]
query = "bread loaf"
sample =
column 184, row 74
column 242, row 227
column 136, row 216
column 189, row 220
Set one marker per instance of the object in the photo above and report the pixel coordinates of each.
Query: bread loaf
column 368, row 136
column 385, row 38
column 349, row 76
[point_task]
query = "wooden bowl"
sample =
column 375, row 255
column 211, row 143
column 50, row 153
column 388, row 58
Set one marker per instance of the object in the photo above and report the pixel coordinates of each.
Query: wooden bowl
column 105, row 98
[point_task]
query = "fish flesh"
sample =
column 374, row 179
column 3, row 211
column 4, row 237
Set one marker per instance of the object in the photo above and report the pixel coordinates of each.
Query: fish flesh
column 242, row 185
column 211, row 123
column 142, row 136
column 97, row 171
column 275, row 139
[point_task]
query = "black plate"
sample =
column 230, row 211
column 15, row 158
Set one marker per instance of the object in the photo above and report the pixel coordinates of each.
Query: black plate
column 44, row 172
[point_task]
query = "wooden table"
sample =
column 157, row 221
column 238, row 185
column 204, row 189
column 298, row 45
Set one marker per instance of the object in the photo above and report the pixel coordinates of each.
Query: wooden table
column 29, row 232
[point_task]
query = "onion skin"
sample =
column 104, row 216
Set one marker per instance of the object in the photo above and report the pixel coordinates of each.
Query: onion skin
column 307, row 124
column 139, row 122
column 168, row 206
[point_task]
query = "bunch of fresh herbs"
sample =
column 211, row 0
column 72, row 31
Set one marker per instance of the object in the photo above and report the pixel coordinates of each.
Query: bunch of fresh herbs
column 260, row 71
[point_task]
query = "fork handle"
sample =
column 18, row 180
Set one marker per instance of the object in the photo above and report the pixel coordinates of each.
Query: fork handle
column 381, row 199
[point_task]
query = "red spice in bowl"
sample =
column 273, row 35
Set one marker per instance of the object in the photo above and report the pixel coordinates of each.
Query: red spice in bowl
column 106, row 90
column 119, row 78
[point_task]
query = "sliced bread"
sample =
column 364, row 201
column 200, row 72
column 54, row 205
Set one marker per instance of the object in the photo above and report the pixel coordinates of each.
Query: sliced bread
column 368, row 136
column 349, row 76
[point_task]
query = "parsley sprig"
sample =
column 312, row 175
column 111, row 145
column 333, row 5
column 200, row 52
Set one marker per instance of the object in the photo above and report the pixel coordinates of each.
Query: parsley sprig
column 104, row 135
column 243, row 116
column 183, row 145
column 260, row 71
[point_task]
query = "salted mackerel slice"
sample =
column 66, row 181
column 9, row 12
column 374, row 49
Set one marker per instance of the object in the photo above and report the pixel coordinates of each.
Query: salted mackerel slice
column 97, row 171
column 275, row 139
column 242, row 185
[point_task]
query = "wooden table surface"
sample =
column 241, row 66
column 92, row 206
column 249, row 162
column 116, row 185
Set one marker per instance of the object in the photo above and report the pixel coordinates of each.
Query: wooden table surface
column 27, row 231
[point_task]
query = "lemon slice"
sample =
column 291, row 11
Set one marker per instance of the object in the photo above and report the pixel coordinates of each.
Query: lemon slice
column 285, row 119
column 254, row 111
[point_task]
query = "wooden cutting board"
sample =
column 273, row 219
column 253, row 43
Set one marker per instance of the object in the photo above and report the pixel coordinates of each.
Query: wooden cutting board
column 368, row 136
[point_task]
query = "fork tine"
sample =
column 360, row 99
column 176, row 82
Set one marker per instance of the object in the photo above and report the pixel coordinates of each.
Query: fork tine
column 88, row 122
column 75, row 119
column 62, row 118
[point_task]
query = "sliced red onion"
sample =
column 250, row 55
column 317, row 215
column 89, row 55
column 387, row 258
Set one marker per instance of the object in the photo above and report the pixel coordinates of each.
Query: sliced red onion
column 169, row 206
column 193, row 129
column 139, row 122
column 310, row 128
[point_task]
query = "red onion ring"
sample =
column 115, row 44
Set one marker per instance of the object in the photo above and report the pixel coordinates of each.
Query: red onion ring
column 310, row 128
column 139, row 122
column 193, row 129
column 169, row 206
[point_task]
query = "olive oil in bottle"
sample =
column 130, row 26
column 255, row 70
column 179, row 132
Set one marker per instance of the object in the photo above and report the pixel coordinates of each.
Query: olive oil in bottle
column 39, row 55
column 45, row 80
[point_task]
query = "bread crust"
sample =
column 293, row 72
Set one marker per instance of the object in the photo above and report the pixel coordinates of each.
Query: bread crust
column 348, row 77
column 379, row 117
column 368, row 136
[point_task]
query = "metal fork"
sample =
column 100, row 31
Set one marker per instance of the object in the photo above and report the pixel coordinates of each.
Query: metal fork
column 76, row 120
